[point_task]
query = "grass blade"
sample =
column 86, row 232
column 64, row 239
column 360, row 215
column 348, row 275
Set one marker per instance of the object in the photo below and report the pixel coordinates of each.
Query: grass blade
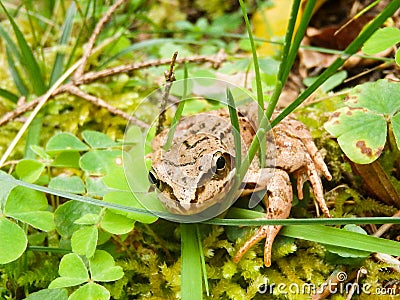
column 7, row 180
column 294, row 48
column 8, row 95
column 10, row 43
column 66, row 29
column 290, row 52
column 18, row 81
column 283, row 65
column 33, row 136
column 236, row 129
column 244, row 217
column 28, row 59
column 342, row 238
column 202, row 260
column 307, row 230
column 260, row 98
column 191, row 281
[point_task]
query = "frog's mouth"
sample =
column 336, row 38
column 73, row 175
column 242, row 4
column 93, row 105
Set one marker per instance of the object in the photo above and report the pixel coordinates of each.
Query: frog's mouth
column 200, row 204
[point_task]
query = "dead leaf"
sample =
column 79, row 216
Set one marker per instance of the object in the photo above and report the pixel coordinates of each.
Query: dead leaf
column 377, row 183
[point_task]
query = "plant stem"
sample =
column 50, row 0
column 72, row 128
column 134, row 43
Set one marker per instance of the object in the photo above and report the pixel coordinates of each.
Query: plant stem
column 260, row 98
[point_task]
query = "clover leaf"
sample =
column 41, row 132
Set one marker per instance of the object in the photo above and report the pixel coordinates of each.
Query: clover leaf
column 361, row 126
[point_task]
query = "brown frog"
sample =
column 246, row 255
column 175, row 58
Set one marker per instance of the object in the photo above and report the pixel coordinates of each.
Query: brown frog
column 198, row 169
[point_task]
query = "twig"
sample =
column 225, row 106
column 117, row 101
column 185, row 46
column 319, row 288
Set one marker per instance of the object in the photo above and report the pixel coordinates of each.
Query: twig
column 385, row 227
column 388, row 259
column 88, row 77
column 74, row 90
column 354, row 286
column 169, row 78
column 89, row 46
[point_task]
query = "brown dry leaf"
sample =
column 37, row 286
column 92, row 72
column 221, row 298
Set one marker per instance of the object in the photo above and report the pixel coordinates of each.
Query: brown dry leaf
column 312, row 59
column 338, row 37
column 376, row 182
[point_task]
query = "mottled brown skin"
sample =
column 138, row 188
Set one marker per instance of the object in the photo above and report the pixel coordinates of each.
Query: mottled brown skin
column 190, row 177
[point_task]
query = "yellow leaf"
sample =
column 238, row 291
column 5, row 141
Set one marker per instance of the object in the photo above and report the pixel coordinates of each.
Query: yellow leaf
column 271, row 23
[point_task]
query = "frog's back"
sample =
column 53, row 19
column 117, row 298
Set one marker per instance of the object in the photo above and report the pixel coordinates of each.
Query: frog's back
column 216, row 123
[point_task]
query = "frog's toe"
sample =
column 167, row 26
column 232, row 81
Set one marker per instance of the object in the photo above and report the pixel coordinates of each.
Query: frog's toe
column 310, row 172
column 267, row 232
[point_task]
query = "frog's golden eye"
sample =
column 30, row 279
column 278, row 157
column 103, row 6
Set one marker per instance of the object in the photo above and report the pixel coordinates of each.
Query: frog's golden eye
column 153, row 179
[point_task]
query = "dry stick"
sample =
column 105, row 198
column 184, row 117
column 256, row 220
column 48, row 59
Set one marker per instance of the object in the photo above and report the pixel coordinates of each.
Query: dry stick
column 74, row 90
column 40, row 104
column 89, row 46
column 169, row 78
column 362, row 272
column 332, row 284
column 88, row 77
column 385, row 227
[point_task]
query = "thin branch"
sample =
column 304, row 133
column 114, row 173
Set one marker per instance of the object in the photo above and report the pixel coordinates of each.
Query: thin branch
column 169, row 78
column 385, row 227
column 88, row 77
column 89, row 46
column 74, row 90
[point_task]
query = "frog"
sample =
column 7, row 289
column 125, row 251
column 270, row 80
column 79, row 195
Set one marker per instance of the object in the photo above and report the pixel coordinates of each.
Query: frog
column 198, row 170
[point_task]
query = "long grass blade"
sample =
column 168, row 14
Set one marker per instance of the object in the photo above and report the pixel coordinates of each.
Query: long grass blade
column 8, row 95
column 305, row 19
column 260, row 98
column 342, row 238
column 236, row 129
column 289, row 53
column 147, row 44
column 280, row 80
column 191, row 281
column 66, row 30
column 33, row 136
column 9, row 180
column 29, row 62
column 17, row 78
column 243, row 217
column 10, row 43
column 202, row 261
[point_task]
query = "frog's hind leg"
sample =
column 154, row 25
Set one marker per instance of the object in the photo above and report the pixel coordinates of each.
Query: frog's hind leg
column 278, row 202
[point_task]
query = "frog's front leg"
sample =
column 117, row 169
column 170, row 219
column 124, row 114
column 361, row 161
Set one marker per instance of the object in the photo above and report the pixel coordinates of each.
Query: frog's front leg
column 278, row 203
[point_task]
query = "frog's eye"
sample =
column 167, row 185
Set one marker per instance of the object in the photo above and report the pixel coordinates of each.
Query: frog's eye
column 153, row 179
column 220, row 163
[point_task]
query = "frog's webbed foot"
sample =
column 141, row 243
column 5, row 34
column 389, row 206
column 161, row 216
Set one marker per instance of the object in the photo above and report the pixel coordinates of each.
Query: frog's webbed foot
column 278, row 201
